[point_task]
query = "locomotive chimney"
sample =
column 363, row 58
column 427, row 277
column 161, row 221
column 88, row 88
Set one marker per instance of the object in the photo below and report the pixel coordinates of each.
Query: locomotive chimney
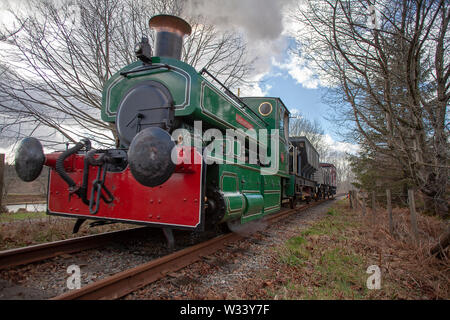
column 170, row 31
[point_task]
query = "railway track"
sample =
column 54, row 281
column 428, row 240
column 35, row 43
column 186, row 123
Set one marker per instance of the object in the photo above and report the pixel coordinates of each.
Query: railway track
column 39, row 252
column 125, row 282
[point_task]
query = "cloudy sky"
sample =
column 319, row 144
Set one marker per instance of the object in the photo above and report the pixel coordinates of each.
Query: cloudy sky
column 268, row 27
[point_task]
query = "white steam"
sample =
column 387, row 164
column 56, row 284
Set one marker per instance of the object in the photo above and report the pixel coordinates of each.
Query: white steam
column 261, row 22
column 260, row 19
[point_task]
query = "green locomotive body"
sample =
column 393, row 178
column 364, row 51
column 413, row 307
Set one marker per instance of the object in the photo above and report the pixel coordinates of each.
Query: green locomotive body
column 247, row 194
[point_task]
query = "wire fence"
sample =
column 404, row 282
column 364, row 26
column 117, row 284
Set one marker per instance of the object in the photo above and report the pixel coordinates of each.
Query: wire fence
column 358, row 199
column 364, row 200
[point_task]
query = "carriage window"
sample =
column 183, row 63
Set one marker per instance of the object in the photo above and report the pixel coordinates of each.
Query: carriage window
column 284, row 124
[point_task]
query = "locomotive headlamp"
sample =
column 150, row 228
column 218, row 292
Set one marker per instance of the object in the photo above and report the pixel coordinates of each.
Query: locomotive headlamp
column 143, row 51
column 29, row 159
column 149, row 157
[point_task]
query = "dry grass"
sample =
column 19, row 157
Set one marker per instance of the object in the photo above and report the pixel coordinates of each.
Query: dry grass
column 405, row 261
column 329, row 260
column 31, row 230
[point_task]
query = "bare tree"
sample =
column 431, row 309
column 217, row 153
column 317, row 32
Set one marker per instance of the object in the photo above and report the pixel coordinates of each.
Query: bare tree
column 6, row 36
column 390, row 79
column 54, row 68
column 300, row 126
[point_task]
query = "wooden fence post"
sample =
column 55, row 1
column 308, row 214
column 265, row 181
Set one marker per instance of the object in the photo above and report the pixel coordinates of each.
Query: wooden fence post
column 412, row 209
column 2, row 168
column 374, row 210
column 363, row 202
column 389, row 208
column 350, row 199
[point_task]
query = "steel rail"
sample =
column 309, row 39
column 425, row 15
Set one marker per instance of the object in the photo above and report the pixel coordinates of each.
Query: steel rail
column 284, row 213
column 39, row 252
column 125, row 282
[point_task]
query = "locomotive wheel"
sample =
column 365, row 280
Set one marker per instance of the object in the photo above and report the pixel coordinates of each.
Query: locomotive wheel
column 292, row 202
column 216, row 208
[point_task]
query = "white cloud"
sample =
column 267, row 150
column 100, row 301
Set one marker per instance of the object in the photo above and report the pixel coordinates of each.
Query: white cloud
column 256, row 88
column 298, row 69
column 341, row 146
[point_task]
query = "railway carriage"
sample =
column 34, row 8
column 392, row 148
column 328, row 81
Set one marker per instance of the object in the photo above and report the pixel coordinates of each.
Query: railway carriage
column 326, row 180
column 304, row 161
column 157, row 175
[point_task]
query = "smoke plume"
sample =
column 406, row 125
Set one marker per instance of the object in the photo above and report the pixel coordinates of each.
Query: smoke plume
column 260, row 19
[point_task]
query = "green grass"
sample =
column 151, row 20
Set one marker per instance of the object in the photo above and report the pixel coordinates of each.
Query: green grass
column 9, row 217
column 341, row 271
column 295, row 242
column 334, row 270
column 325, row 226
column 294, row 254
column 331, row 212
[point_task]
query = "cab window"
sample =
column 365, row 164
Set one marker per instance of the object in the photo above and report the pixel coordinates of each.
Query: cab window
column 284, row 124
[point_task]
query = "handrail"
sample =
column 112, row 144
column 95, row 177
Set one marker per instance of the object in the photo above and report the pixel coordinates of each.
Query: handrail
column 232, row 95
column 145, row 68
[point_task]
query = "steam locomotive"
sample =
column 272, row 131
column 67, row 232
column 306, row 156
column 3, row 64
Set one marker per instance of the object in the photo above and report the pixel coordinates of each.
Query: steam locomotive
column 156, row 176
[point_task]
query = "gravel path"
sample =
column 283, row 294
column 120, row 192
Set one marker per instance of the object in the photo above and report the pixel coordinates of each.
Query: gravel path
column 228, row 273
